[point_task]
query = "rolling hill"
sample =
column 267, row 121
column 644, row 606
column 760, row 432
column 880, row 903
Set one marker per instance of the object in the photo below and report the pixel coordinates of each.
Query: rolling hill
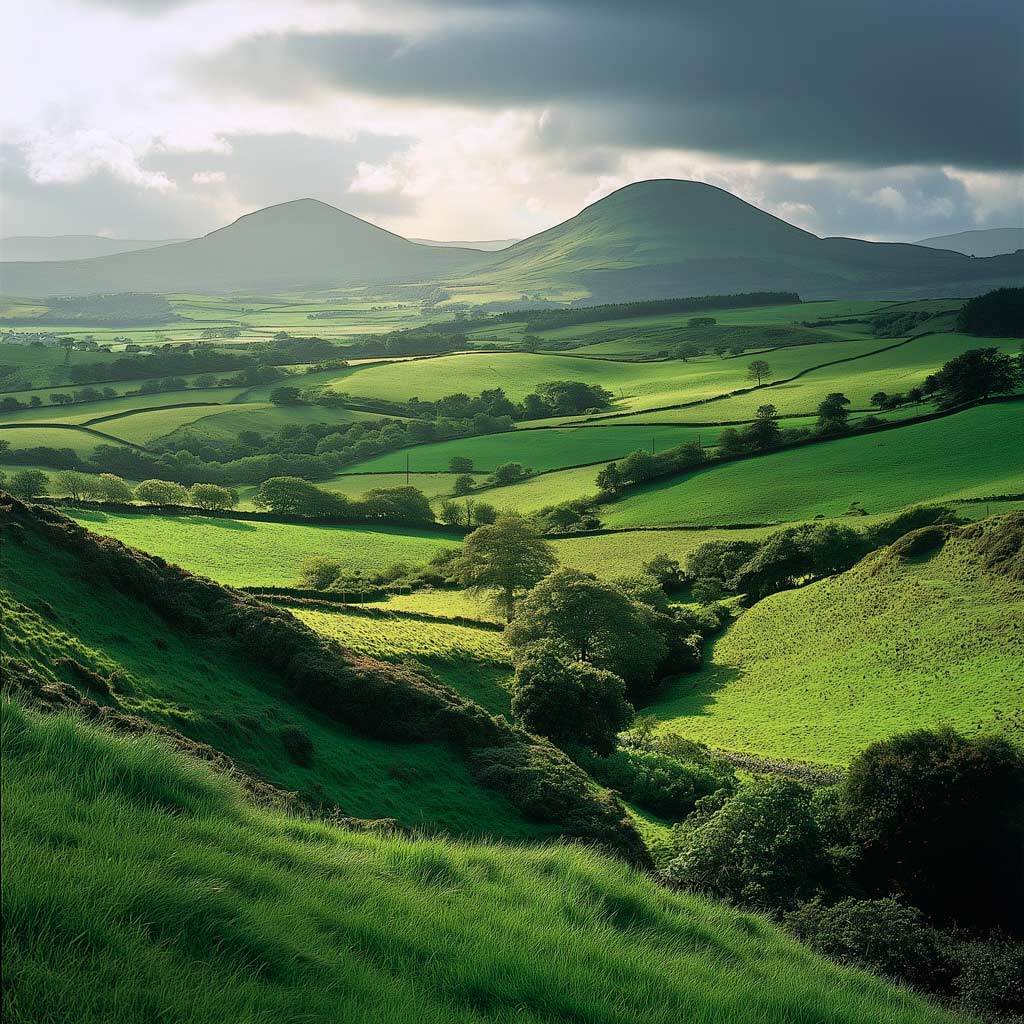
column 990, row 242
column 35, row 248
column 125, row 638
column 142, row 885
column 926, row 632
column 296, row 246
column 666, row 238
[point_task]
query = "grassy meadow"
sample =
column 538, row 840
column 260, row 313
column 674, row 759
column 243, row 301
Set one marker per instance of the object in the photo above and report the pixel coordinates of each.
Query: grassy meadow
column 174, row 895
column 896, row 643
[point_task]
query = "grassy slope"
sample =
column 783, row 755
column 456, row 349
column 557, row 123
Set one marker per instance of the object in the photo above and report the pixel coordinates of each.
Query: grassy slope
column 242, row 553
column 974, row 453
column 893, row 644
column 80, row 441
column 173, row 898
column 198, row 687
column 896, row 370
column 473, row 661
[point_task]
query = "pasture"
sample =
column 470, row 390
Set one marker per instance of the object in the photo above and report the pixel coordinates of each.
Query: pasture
column 894, row 644
column 976, row 453
column 243, row 553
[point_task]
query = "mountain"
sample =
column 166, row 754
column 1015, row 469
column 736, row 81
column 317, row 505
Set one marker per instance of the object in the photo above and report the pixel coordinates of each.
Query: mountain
column 44, row 248
column 298, row 246
column 990, row 242
column 492, row 245
column 667, row 238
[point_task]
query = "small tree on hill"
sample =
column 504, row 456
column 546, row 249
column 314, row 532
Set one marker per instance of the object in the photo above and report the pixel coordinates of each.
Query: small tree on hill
column 758, row 370
column 505, row 558
column 974, row 375
column 460, row 464
column 568, row 701
column 212, row 496
column 452, row 513
column 71, row 482
column 318, row 572
column 291, row 495
column 764, row 432
column 833, row 416
column 161, row 492
column 508, row 473
column 28, row 483
column 463, row 484
column 109, row 487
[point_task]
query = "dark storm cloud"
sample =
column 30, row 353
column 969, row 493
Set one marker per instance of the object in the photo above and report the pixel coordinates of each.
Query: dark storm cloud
column 872, row 82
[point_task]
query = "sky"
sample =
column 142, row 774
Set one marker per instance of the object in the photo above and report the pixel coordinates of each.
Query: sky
column 480, row 119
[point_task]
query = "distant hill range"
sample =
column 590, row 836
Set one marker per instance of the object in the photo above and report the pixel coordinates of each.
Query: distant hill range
column 990, row 242
column 33, row 248
column 304, row 245
column 492, row 245
column 652, row 239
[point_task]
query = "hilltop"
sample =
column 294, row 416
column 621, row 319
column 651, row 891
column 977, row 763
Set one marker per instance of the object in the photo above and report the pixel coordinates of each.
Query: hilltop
column 660, row 238
column 295, row 246
column 668, row 237
column 990, row 242
column 925, row 632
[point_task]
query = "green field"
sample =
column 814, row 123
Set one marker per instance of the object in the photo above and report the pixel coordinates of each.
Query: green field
column 173, row 895
column 242, row 553
column 78, row 440
column 894, row 644
column 473, row 661
column 198, row 686
column 975, row 453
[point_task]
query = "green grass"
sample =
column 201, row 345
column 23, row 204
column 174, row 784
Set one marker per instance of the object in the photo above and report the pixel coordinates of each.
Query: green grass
column 979, row 452
column 244, row 553
column 473, row 661
column 893, row 371
column 139, row 886
column 199, row 686
column 537, row 449
column 261, row 416
column 636, row 386
column 894, row 644
column 80, row 441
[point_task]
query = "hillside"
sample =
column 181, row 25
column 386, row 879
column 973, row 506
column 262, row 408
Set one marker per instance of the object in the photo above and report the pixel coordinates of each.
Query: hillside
column 33, row 248
column 926, row 632
column 991, row 242
column 124, row 634
column 676, row 238
column 295, row 246
column 139, row 884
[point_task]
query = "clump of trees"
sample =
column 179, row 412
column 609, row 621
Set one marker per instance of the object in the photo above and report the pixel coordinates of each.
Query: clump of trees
column 910, row 866
column 293, row 496
column 996, row 314
column 975, row 375
column 641, row 466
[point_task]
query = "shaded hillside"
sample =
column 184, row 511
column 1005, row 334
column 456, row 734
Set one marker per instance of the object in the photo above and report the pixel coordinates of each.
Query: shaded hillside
column 33, row 248
column 139, row 886
column 926, row 632
column 295, row 246
column 990, row 242
column 677, row 238
column 143, row 638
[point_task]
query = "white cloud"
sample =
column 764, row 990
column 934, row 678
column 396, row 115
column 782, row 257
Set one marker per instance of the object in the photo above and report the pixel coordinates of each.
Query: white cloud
column 56, row 159
column 208, row 177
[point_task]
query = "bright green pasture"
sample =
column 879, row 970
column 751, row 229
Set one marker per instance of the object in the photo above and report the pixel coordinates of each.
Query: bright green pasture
column 893, row 371
column 141, row 886
column 473, row 661
column 444, row 603
column 80, row 441
column 263, row 417
column 245, row 553
column 22, row 365
column 87, row 411
column 537, row 449
column 634, row 385
column 819, row 673
column 975, row 453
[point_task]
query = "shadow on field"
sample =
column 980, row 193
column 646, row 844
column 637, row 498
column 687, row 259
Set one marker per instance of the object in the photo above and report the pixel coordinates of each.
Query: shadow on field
column 231, row 524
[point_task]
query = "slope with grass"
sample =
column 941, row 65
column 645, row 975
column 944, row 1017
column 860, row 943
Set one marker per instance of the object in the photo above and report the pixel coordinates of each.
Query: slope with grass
column 243, row 553
column 929, row 631
column 173, row 897
column 169, row 650
column 975, row 453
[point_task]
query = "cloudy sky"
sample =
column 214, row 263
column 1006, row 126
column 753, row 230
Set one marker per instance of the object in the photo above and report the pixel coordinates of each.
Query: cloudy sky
column 478, row 119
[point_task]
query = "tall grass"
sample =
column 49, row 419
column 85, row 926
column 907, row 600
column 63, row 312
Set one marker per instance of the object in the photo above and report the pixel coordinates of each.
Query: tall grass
column 140, row 887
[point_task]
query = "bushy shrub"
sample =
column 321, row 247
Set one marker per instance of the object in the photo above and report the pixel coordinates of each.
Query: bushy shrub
column 883, row 935
column 761, row 848
column 318, row 572
column 298, row 745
